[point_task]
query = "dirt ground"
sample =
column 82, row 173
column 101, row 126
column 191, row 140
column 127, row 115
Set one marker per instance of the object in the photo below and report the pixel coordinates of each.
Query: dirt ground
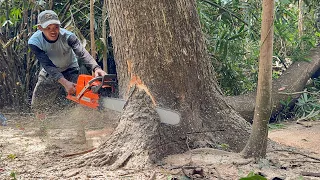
column 24, row 155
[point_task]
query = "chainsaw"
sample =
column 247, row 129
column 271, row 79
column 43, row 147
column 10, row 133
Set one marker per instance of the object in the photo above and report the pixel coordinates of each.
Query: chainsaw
column 97, row 92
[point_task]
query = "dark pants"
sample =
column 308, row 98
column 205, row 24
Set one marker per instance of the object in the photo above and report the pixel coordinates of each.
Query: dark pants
column 49, row 95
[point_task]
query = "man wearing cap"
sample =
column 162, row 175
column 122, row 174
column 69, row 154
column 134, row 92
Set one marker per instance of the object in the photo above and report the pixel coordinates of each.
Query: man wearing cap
column 58, row 51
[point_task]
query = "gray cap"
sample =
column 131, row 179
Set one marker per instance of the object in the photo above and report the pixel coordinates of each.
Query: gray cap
column 47, row 17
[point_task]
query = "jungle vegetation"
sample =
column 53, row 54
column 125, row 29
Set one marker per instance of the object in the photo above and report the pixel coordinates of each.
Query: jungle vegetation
column 231, row 29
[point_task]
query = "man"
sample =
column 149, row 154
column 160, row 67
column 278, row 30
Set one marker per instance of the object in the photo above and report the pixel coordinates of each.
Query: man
column 58, row 51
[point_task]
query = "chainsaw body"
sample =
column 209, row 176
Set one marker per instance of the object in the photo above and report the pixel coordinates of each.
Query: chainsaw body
column 89, row 89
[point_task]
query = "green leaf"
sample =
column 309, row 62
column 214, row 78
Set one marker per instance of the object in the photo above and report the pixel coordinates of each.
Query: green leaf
column 11, row 156
column 13, row 174
column 254, row 177
column 276, row 126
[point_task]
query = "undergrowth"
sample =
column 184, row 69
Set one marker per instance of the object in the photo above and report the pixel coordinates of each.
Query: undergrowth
column 307, row 106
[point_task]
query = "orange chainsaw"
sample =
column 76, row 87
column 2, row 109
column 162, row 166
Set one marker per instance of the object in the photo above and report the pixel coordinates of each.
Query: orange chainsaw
column 96, row 93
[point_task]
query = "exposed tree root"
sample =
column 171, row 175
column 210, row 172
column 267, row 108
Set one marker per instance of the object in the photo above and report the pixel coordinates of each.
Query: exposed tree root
column 79, row 153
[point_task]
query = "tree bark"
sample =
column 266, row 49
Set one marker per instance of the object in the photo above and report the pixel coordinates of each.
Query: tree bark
column 291, row 81
column 159, row 49
column 257, row 144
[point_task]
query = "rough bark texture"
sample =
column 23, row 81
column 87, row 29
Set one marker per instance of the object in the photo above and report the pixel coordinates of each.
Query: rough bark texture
column 293, row 80
column 257, row 144
column 159, row 49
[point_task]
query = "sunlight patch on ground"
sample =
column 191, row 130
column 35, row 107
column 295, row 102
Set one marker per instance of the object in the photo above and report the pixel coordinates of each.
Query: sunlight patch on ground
column 27, row 144
column 296, row 135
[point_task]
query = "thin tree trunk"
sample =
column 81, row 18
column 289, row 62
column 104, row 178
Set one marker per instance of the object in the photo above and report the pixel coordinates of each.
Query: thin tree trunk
column 26, row 25
column 300, row 18
column 257, row 144
column 51, row 4
column 93, row 45
column 7, row 18
column 104, row 36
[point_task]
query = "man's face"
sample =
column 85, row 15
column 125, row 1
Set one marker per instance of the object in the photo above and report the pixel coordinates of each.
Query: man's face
column 51, row 31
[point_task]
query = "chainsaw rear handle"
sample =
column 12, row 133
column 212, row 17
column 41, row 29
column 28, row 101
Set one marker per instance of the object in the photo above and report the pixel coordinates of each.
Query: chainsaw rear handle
column 103, row 81
column 102, row 78
column 95, row 89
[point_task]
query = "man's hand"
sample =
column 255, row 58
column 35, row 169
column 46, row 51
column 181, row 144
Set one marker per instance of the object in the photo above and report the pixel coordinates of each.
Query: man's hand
column 70, row 87
column 99, row 72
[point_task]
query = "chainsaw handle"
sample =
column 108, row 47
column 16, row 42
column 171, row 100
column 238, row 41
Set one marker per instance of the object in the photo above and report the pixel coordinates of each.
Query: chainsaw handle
column 102, row 78
column 96, row 89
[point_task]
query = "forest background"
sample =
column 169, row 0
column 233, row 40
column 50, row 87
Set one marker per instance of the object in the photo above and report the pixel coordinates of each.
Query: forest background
column 231, row 29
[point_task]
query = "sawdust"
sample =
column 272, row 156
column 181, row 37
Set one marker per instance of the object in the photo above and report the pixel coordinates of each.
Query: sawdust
column 26, row 156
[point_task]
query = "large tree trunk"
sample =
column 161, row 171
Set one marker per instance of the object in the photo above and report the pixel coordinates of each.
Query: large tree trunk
column 293, row 80
column 159, row 49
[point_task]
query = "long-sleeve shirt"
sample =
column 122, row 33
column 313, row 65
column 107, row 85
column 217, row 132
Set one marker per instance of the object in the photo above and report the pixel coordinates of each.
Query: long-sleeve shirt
column 60, row 55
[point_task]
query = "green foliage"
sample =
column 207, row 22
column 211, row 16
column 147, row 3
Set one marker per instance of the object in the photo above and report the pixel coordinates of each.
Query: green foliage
column 178, row 177
column 288, row 44
column 224, row 146
column 274, row 126
column 13, row 175
column 15, row 14
column 227, row 35
column 307, row 107
column 232, row 32
column 253, row 176
column 12, row 156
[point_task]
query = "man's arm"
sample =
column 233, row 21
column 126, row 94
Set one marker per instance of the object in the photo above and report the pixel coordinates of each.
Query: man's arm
column 82, row 53
column 51, row 69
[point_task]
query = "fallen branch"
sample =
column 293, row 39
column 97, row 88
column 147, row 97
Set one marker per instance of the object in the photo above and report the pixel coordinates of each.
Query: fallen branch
column 294, row 93
column 243, row 162
column 306, row 161
column 304, row 173
column 295, row 152
column 79, row 153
